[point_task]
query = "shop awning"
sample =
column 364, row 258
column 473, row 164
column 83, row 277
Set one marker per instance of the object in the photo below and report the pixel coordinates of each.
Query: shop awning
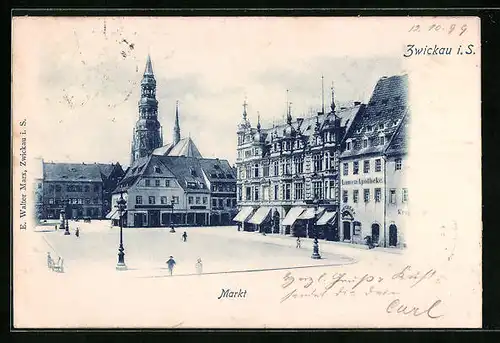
column 309, row 213
column 292, row 215
column 259, row 215
column 327, row 217
column 111, row 214
column 243, row 214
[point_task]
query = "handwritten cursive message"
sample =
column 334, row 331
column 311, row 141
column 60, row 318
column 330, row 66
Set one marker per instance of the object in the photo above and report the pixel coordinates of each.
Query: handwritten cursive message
column 368, row 284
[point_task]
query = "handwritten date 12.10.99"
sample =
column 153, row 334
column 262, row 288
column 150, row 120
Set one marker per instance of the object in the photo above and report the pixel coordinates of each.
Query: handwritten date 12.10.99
column 449, row 29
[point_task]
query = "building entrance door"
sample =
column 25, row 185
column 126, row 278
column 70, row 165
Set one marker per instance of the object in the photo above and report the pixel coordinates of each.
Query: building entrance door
column 393, row 235
column 138, row 219
column 347, row 230
column 375, row 233
column 154, row 218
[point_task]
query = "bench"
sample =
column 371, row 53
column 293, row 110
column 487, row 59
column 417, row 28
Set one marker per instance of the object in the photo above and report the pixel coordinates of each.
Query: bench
column 58, row 267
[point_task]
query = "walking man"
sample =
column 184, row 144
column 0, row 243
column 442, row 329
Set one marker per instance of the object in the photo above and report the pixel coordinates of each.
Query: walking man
column 77, row 232
column 298, row 243
column 184, row 236
column 171, row 264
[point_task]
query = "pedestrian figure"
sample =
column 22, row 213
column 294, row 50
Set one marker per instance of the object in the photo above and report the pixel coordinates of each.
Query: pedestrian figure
column 77, row 232
column 171, row 264
column 184, row 236
column 55, row 227
column 369, row 242
column 199, row 266
column 50, row 261
column 298, row 243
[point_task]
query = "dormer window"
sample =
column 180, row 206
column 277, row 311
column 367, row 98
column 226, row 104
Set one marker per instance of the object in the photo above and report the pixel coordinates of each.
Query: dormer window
column 381, row 140
column 365, row 143
column 157, row 170
column 381, row 126
column 359, row 130
column 395, row 123
column 369, row 128
column 348, row 145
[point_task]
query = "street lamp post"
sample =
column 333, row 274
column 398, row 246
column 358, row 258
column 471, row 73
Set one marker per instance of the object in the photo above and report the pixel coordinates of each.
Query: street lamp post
column 315, row 255
column 121, row 203
column 65, row 224
column 172, row 202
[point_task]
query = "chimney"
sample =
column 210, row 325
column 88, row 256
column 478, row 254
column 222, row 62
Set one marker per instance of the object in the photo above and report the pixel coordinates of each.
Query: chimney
column 357, row 103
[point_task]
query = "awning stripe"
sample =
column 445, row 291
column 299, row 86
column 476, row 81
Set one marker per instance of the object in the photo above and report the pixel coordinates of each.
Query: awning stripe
column 243, row 214
column 259, row 215
column 111, row 214
column 327, row 217
column 292, row 215
column 310, row 212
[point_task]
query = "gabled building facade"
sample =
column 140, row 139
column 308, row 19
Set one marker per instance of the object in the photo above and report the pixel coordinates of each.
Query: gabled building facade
column 288, row 175
column 368, row 174
column 165, row 190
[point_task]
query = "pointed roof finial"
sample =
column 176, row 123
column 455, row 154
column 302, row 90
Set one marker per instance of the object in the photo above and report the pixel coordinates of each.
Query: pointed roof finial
column 245, row 104
column 289, row 115
column 258, row 121
column 322, row 95
column 149, row 67
column 332, row 106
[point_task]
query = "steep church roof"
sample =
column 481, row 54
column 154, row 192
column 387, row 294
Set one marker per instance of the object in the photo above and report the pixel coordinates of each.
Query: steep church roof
column 149, row 67
column 185, row 147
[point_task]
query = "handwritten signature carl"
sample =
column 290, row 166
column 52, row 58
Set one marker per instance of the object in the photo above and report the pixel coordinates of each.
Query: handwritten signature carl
column 342, row 284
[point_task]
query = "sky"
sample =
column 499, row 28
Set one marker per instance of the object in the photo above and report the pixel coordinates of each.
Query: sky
column 78, row 79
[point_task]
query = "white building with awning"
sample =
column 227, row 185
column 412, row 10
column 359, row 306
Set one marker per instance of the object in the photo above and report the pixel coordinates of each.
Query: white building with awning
column 243, row 215
column 292, row 215
column 326, row 218
column 310, row 213
column 260, row 215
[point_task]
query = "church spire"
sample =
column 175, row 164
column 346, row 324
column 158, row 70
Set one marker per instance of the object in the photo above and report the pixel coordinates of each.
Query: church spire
column 289, row 114
column 177, row 128
column 332, row 106
column 149, row 67
column 258, row 121
column 322, row 95
column 245, row 109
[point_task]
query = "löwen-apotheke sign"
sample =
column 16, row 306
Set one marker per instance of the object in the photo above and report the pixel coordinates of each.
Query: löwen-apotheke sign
column 362, row 181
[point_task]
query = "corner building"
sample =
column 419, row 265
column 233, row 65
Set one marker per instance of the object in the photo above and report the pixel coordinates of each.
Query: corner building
column 288, row 175
column 372, row 177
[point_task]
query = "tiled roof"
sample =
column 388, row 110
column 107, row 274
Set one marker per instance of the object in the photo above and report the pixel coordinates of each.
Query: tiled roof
column 107, row 169
column 400, row 140
column 71, row 172
column 185, row 147
column 217, row 170
column 306, row 126
column 382, row 116
column 163, row 150
column 185, row 169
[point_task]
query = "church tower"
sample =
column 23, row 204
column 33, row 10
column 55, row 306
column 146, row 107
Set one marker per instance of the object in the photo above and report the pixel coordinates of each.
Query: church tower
column 147, row 133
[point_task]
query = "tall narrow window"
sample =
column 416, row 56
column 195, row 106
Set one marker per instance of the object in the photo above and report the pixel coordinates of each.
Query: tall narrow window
column 378, row 194
column 378, row 165
column 405, row 195
column 392, row 196
column 346, row 169
column 287, row 191
column 399, row 163
column 366, row 195
column 345, row 197
column 355, row 167
column 366, row 166
column 355, row 196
